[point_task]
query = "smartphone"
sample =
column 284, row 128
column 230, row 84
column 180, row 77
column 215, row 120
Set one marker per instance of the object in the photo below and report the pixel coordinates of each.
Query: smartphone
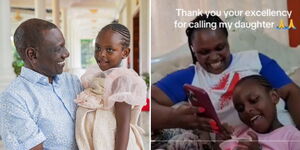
column 199, row 98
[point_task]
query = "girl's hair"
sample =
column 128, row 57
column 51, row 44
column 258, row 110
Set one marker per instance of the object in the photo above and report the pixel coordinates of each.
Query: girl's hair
column 259, row 79
column 121, row 29
column 206, row 19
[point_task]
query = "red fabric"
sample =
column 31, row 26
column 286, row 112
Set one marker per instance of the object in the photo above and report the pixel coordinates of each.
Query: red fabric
column 294, row 35
column 147, row 106
column 227, row 96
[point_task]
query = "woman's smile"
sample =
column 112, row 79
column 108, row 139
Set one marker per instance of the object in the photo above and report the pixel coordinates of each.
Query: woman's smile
column 216, row 65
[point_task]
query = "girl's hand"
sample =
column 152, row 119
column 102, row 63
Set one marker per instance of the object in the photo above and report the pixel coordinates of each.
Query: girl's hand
column 249, row 145
column 189, row 117
column 225, row 132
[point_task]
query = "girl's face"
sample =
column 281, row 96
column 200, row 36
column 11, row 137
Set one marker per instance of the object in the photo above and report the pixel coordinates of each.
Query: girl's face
column 211, row 50
column 256, row 106
column 109, row 51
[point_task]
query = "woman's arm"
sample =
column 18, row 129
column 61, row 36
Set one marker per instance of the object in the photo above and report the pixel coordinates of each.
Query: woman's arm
column 123, row 113
column 161, row 111
column 291, row 93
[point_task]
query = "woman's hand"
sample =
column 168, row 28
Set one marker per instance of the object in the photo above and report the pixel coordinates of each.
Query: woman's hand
column 189, row 117
column 249, row 145
column 185, row 116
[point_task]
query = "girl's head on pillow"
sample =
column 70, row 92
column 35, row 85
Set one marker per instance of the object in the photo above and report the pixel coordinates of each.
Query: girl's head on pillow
column 255, row 100
column 112, row 45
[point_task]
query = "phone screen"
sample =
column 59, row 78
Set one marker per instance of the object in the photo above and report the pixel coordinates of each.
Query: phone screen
column 199, row 98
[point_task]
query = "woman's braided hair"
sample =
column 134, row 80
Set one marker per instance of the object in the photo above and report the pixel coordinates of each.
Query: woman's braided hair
column 203, row 18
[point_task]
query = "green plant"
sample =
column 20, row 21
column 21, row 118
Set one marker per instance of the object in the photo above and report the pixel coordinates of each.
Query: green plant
column 87, row 52
column 146, row 78
column 18, row 63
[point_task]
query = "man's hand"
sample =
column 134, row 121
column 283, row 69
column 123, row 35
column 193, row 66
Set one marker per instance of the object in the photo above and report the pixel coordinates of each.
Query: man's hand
column 38, row 147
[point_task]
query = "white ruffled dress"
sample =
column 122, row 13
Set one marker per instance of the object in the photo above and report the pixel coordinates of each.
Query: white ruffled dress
column 95, row 117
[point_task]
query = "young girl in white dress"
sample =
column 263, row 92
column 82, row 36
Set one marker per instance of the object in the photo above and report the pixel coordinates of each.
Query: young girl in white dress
column 106, row 118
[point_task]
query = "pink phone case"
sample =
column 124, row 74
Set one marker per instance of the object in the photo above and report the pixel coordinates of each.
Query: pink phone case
column 199, row 98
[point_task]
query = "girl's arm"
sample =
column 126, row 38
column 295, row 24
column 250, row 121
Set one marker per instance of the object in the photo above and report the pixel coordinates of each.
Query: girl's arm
column 122, row 112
